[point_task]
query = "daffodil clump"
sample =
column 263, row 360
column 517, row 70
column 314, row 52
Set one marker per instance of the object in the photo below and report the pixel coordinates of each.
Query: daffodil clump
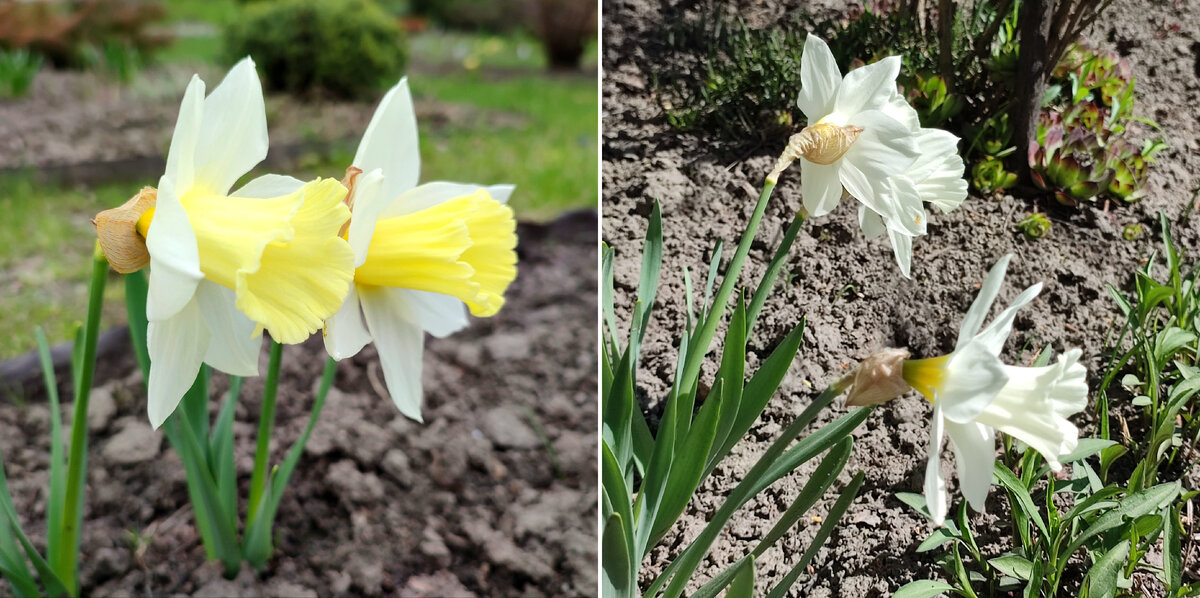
column 373, row 257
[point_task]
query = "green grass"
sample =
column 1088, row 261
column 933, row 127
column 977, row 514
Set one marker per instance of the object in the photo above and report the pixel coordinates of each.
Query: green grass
column 216, row 12
column 46, row 240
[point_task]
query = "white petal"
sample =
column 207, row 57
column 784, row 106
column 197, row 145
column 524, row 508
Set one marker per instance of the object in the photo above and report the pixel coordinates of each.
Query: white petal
column 400, row 343
column 901, row 206
column 997, row 332
column 181, row 156
column 869, row 87
column 935, row 484
column 174, row 256
column 979, row 309
column 436, row 192
column 233, row 138
column 176, row 347
column 440, row 315
column 871, row 222
column 369, row 201
column 819, row 79
column 390, row 142
column 902, row 248
column 898, row 108
column 234, row 346
column 974, row 376
column 885, row 147
column 820, row 186
column 269, row 185
column 933, row 145
column 974, row 447
column 345, row 333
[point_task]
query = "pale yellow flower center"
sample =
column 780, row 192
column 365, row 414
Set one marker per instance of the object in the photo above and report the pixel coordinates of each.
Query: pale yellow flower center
column 927, row 376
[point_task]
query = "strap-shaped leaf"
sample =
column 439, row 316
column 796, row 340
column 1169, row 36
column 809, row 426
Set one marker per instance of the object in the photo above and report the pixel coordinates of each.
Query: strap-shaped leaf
column 58, row 472
column 618, row 579
column 839, row 508
column 1023, row 501
column 923, row 588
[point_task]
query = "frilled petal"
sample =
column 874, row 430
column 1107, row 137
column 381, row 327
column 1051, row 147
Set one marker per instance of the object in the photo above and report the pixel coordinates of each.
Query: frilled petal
column 1033, row 407
column 174, row 256
column 938, row 171
column 437, row 192
column 935, row 483
column 440, row 315
column 902, row 248
column 901, row 207
column 974, row 447
column 869, row 87
column 899, row 109
column 994, row 336
column 390, row 142
column 176, row 346
column 819, row 79
column 233, row 347
column 269, row 185
column 821, row 187
column 181, row 156
column 885, row 147
column 401, row 344
column 979, row 309
column 973, row 377
column 345, row 334
column 233, row 138
column 871, row 222
column 933, row 145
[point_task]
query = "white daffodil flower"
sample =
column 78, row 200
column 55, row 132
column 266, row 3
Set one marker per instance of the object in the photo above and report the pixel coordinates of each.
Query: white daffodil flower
column 974, row 394
column 857, row 136
column 225, row 267
column 423, row 255
column 935, row 177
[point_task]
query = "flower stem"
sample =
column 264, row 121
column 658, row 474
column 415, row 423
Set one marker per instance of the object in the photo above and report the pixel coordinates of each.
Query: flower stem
column 266, row 426
column 699, row 345
column 67, row 563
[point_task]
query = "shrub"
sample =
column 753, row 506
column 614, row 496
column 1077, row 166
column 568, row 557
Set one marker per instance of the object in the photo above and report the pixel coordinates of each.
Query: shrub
column 497, row 16
column 71, row 34
column 347, row 48
column 17, row 70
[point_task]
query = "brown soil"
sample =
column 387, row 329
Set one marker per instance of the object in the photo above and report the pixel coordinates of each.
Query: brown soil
column 495, row 494
column 851, row 293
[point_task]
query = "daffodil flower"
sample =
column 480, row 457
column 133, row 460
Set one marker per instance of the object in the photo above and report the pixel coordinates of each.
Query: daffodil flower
column 223, row 267
column 974, row 394
column 424, row 255
column 935, row 177
column 854, row 139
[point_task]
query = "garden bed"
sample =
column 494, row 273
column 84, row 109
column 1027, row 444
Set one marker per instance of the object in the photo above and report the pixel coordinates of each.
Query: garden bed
column 852, row 294
column 495, row 494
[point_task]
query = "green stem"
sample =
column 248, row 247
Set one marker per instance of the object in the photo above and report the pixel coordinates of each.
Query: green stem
column 266, row 425
column 699, row 345
column 67, row 564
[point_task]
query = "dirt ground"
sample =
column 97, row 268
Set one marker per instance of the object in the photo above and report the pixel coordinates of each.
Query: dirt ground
column 495, row 494
column 852, row 295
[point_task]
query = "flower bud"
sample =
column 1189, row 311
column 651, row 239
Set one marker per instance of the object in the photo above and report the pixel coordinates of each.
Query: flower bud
column 878, row 379
column 821, row 143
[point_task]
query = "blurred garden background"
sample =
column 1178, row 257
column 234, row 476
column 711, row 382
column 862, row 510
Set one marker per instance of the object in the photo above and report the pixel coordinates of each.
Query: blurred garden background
column 506, row 92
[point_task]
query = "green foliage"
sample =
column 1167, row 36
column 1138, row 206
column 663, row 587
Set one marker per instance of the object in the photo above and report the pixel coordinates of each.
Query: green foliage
column 1088, row 530
column 1132, row 232
column 17, row 70
column 347, row 48
column 648, row 477
column 989, row 176
column 496, row 16
column 929, row 96
column 1034, row 226
column 118, row 59
column 1084, row 146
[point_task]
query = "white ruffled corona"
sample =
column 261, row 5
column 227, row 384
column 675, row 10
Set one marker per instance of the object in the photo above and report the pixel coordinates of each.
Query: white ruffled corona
column 974, row 394
column 424, row 255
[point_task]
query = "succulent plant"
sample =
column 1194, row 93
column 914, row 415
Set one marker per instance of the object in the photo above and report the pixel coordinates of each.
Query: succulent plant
column 988, row 176
column 931, row 99
column 1034, row 226
column 1132, row 232
column 1070, row 163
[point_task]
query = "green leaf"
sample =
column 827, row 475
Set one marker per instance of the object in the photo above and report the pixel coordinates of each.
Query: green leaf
column 136, row 287
column 1131, row 507
column 258, row 541
column 1102, row 578
column 58, row 473
column 937, row 538
column 1169, row 341
column 742, row 585
column 1086, row 448
column 1022, row 499
column 1013, row 566
column 220, row 450
column 768, row 280
column 839, row 508
column 12, row 562
column 1173, row 549
column 821, row 479
column 651, row 265
column 606, row 292
column 619, row 581
column 732, row 375
column 688, row 468
column 925, row 588
column 218, row 525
